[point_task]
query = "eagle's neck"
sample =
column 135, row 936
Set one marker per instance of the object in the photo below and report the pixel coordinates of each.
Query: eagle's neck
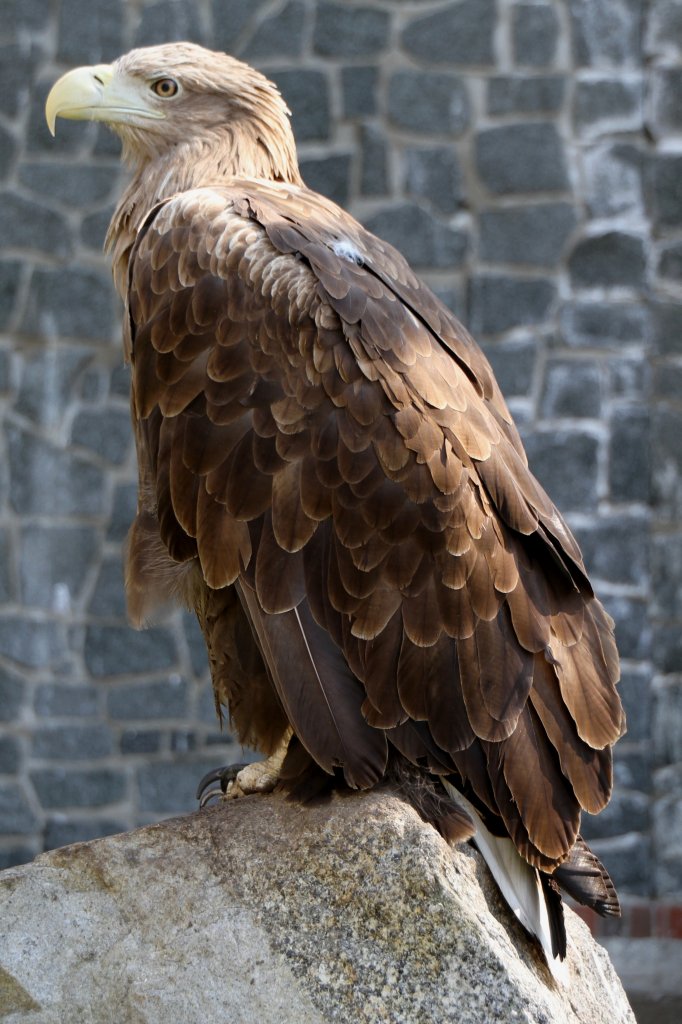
column 234, row 151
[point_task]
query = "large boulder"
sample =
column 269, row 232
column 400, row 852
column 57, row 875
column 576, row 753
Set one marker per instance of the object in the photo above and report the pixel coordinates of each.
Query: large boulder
column 352, row 910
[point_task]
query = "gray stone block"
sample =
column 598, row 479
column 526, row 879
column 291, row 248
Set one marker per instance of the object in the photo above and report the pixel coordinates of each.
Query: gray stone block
column 616, row 259
column 166, row 699
column 633, row 634
column 120, row 650
column 626, row 812
column 519, row 158
column 628, row 378
column 359, row 91
column 8, row 152
column 373, row 162
column 664, row 190
column 72, row 742
column 307, row 94
column 6, row 567
column 629, row 862
column 526, row 234
column 279, row 35
column 106, row 432
column 100, row 32
column 12, row 692
column 64, row 787
column 423, row 240
column 78, row 303
column 498, row 303
column 10, row 276
column 669, row 264
column 16, row 816
column 602, row 325
column 608, row 105
column 94, row 228
column 14, row 855
column 54, row 563
column 667, row 101
column 108, row 599
column 513, row 363
column 32, row 643
column 629, row 466
column 666, row 327
column 77, row 185
column 329, row 175
column 666, row 448
column 231, row 23
column 49, row 380
column 123, row 511
column 27, row 14
column 17, row 67
column 635, row 692
column 667, row 722
column 566, row 464
column 632, row 767
column 140, row 741
column 606, row 33
column 460, row 34
column 664, row 28
column 59, row 700
column 616, row 549
column 614, row 180
column 47, row 230
column 517, row 94
column 60, row 832
column 10, row 755
column 666, row 643
column 434, row 173
column 666, row 575
column 344, row 31
column 40, row 472
column 572, row 388
column 170, row 787
column 168, row 21
column 119, row 383
column 196, row 643
column 535, row 34
column 183, row 741
column 428, row 102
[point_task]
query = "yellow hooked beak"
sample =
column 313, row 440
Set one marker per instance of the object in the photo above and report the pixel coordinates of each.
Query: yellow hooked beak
column 97, row 94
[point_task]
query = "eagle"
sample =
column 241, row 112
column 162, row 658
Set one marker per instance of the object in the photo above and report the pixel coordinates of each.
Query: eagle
column 330, row 478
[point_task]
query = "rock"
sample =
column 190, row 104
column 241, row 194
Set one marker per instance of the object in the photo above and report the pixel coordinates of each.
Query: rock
column 265, row 910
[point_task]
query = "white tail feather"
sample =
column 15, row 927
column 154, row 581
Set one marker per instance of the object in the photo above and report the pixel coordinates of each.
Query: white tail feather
column 518, row 882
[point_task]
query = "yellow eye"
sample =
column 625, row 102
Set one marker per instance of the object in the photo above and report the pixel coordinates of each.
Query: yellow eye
column 165, row 87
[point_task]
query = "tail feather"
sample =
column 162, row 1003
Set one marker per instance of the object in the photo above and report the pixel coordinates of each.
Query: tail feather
column 585, row 878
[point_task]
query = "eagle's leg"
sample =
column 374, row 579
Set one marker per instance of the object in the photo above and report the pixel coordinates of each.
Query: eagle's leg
column 237, row 780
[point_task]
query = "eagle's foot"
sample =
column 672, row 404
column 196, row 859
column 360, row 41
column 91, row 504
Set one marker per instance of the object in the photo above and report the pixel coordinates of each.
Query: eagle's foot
column 235, row 780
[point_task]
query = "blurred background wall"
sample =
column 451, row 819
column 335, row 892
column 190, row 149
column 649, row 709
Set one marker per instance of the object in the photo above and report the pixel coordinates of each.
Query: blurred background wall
column 527, row 159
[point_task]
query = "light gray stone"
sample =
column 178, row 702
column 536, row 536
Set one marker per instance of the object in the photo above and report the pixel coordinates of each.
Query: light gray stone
column 353, row 910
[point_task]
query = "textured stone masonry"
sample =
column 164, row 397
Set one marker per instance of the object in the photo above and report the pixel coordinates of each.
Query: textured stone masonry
column 527, row 157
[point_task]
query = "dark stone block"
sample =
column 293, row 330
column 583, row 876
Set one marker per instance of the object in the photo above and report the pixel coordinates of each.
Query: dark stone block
column 12, row 690
column 498, row 303
column 12, row 856
column 279, row 35
column 343, row 31
column 49, row 379
column 519, row 158
column 123, row 511
column 119, row 383
column 6, row 560
column 22, row 221
column 627, row 812
column 17, row 65
column 667, row 327
column 182, row 741
column 38, row 469
column 630, row 455
column 603, row 324
column 608, row 105
column 632, row 768
column 26, row 14
column 667, row 98
column 100, row 32
column 140, row 741
column 666, row 643
column 169, row 21
column 94, row 228
column 666, row 574
column 373, row 162
column 77, row 185
column 667, row 382
column 54, row 563
column 670, row 261
column 170, row 787
column 667, row 727
column 535, row 33
column 8, row 152
column 612, row 260
column 63, row 787
column 633, row 634
column 462, row 33
column 143, row 701
column 635, row 693
column 306, row 93
column 666, row 448
column 16, row 816
column 423, row 240
column 196, row 644
column 664, row 190
column 29, row 642
column 541, row 94
column 629, row 862
column 58, row 700
column 628, row 378
column 614, row 180
column 120, row 650
column 616, row 549
column 108, row 599
column 72, row 742
column 10, row 276
column 10, row 755
column 571, row 388
column 232, row 21
column 105, row 143
column 359, row 91
column 565, row 463
column 606, row 32
column 328, row 175
column 106, row 432
column 60, row 832
column 526, row 234
column 664, row 24
column 434, row 173
column 426, row 102
column 77, row 304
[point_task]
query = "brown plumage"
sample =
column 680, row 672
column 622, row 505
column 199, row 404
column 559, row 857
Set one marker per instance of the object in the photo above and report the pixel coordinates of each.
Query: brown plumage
column 330, row 477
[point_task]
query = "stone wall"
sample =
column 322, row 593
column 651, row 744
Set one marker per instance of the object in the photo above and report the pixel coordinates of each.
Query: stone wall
column 527, row 158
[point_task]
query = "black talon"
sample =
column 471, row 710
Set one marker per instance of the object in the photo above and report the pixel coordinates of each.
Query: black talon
column 224, row 775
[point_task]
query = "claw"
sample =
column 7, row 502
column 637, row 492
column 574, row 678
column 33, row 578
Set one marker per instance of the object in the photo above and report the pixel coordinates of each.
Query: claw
column 224, row 775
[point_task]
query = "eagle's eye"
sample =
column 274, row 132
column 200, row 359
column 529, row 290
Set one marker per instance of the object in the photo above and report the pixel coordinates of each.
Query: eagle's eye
column 165, row 87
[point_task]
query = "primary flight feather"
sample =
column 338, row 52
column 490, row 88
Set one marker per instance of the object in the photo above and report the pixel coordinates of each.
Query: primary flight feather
column 330, row 477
